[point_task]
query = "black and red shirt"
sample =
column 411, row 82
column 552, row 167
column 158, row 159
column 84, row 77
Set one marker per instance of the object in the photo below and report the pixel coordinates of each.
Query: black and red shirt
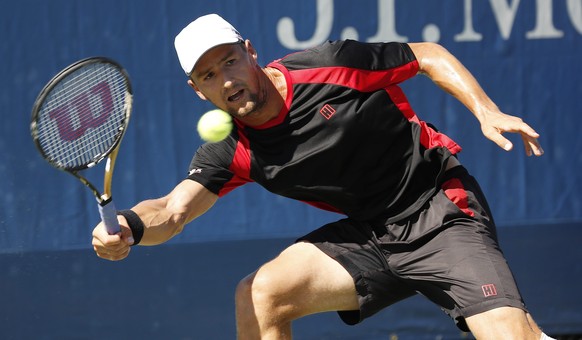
column 346, row 140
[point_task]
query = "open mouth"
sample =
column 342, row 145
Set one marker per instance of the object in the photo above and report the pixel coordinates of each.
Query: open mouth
column 236, row 96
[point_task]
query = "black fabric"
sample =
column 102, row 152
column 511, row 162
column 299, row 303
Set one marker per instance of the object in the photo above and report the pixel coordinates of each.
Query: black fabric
column 346, row 140
column 443, row 253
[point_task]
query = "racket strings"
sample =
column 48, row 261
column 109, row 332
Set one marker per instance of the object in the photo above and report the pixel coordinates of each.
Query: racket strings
column 83, row 116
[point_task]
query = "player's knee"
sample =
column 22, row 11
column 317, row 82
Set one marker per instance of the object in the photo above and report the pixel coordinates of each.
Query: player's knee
column 260, row 295
column 255, row 290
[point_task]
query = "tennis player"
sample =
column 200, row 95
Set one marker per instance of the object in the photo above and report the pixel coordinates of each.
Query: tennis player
column 329, row 126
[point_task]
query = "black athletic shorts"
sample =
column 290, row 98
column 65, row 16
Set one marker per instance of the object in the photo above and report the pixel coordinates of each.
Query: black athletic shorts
column 447, row 251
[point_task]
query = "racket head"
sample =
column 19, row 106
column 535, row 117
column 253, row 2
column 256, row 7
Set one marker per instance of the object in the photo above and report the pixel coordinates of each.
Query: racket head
column 82, row 113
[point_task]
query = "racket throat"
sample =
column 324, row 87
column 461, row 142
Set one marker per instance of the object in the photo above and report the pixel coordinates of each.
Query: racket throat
column 107, row 178
column 104, row 200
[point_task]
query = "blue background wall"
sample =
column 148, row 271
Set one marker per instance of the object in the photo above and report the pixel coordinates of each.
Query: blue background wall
column 526, row 55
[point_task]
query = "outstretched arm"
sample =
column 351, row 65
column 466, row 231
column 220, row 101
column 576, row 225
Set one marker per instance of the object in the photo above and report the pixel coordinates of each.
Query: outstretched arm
column 163, row 218
column 450, row 75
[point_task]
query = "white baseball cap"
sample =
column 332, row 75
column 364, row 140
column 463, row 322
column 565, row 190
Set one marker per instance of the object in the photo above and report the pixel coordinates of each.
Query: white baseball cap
column 201, row 35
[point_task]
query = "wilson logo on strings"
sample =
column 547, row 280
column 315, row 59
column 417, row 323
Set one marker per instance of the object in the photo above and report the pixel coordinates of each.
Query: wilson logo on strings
column 75, row 117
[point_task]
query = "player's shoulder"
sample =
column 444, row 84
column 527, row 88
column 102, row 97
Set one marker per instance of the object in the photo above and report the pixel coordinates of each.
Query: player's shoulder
column 349, row 53
column 321, row 55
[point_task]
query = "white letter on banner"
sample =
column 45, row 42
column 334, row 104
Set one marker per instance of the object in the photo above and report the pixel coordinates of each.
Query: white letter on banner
column 468, row 33
column 286, row 28
column 504, row 15
column 387, row 23
column 575, row 14
column 544, row 22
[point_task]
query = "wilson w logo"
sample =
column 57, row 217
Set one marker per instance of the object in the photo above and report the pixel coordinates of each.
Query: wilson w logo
column 75, row 117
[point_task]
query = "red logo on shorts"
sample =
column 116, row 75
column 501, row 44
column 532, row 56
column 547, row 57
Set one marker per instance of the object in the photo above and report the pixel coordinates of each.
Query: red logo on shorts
column 489, row 290
column 327, row 111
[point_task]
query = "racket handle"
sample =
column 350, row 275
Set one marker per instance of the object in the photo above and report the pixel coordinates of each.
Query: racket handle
column 109, row 216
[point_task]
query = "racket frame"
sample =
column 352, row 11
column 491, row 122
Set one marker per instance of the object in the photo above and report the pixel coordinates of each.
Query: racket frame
column 106, row 207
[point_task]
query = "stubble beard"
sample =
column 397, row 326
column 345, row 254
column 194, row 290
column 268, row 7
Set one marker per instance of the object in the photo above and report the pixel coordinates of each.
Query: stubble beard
column 256, row 101
column 254, row 104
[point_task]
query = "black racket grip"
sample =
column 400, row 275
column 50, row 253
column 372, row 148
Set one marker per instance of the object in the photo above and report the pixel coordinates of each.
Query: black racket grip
column 109, row 216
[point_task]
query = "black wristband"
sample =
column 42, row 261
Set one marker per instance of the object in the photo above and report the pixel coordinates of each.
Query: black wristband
column 135, row 224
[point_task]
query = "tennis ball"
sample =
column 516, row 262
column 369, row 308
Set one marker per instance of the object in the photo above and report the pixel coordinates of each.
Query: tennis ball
column 214, row 126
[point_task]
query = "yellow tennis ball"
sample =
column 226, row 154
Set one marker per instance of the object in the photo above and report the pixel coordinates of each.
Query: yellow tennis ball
column 214, row 126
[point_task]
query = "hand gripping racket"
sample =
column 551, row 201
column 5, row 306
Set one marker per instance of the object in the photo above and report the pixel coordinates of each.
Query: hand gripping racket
column 79, row 118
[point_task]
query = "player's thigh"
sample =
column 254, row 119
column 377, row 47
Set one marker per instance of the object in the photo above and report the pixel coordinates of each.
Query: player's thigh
column 303, row 280
column 503, row 322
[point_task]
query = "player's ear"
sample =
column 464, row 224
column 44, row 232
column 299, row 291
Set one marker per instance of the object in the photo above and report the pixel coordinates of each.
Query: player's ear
column 193, row 85
column 251, row 49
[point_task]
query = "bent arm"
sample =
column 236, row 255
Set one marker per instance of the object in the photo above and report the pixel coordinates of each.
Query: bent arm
column 450, row 75
column 165, row 217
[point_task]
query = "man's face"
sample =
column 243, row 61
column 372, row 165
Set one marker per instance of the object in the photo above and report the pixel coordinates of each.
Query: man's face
column 228, row 76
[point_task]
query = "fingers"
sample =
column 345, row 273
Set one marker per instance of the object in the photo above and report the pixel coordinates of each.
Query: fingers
column 532, row 146
column 109, row 247
column 494, row 134
column 529, row 137
column 495, row 129
column 112, row 254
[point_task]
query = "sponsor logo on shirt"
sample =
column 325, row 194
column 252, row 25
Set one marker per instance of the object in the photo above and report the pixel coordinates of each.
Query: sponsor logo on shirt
column 327, row 111
column 194, row 171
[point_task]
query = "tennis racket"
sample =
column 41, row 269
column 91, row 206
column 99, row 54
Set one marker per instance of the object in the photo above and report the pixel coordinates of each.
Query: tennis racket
column 79, row 118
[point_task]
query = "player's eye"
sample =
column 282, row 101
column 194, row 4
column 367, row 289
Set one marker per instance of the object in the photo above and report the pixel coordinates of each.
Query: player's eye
column 209, row 76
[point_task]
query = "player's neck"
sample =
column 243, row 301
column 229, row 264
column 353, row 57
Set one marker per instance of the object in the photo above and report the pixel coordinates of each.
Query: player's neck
column 276, row 92
column 278, row 80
